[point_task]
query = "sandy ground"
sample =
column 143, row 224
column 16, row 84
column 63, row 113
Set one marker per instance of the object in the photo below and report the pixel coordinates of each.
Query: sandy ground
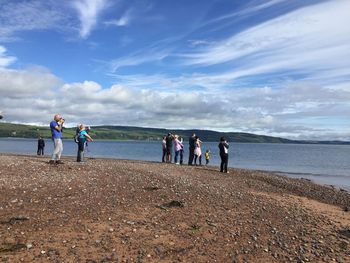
column 133, row 211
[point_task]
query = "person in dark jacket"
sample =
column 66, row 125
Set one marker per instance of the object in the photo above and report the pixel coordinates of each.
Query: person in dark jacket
column 192, row 146
column 164, row 149
column 169, row 147
column 223, row 146
column 41, row 146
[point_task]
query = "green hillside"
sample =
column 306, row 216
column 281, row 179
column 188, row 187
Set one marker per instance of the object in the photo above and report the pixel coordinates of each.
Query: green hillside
column 139, row 133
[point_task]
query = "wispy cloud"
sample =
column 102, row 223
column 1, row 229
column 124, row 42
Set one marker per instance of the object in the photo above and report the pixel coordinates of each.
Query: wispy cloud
column 137, row 58
column 18, row 16
column 250, row 9
column 124, row 20
column 305, row 40
column 89, row 12
column 5, row 60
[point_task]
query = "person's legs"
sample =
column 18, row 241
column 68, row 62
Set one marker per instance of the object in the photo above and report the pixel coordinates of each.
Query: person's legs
column 191, row 156
column 200, row 159
column 60, row 145
column 176, row 156
column 226, row 163
column 206, row 161
column 169, row 155
column 181, row 156
column 38, row 151
column 80, row 156
column 222, row 163
column 164, row 154
column 56, row 150
column 195, row 159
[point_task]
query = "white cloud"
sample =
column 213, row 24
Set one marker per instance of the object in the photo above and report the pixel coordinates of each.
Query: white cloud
column 305, row 39
column 34, row 81
column 17, row 16
column 246, row 11
column 297, row 109
column 89, row 12
column 5, row 60
column 124, row 20
column 138, row 58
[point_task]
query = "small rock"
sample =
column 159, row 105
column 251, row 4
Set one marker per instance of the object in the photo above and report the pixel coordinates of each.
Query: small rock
column 29, row 245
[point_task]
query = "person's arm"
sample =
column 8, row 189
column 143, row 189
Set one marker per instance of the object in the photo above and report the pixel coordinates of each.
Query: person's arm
column 88, row 137
column 59, row 127
column 226, row 145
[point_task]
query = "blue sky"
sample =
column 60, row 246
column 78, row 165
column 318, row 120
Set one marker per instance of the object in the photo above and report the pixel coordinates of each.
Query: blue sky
column 277, row 67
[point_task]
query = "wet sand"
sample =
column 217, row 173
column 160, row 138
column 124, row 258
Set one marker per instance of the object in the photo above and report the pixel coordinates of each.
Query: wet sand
column 134, row 211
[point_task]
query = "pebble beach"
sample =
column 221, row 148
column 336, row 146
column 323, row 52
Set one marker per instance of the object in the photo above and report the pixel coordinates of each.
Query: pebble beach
column 108, row 210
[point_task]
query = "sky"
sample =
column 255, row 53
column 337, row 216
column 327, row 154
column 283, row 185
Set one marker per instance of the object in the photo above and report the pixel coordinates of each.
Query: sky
column 277, row 67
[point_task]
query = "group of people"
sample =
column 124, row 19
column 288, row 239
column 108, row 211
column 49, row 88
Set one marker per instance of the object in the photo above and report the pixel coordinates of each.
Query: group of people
column 195, row 151
column 82, row 136
column 167, row 145
column 171, row 141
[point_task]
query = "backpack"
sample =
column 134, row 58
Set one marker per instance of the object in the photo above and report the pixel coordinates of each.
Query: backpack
column 76, row 138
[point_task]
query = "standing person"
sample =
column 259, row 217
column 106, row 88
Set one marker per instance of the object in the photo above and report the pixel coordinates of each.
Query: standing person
column 198, row 151
column 178, row 147
column 56, row 131
column 207, row 157
column 83, row 136
column 192, row 144
column 181, row 151
column 41, row 146
column 164, row 149
column 169, row 147
column 223, row 146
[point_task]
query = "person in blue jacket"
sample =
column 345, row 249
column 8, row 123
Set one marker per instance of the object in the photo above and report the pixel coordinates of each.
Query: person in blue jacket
column 83, row 136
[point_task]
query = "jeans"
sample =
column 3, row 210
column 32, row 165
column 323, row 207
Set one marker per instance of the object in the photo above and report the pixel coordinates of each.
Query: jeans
column 81, row 148
column 176, row 156
column 181, row 156
column 58, row 148
column 224, row 162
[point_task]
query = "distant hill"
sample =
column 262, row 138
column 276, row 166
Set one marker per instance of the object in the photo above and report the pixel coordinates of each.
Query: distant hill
column 139, row 133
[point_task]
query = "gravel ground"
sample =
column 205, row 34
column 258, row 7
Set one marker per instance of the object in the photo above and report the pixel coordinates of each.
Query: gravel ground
column 134, row 211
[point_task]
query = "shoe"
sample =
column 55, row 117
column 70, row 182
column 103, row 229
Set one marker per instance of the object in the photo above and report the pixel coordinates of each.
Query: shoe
column 177, row 163
column 52, row 162
column 227, row 172
column 59, row 162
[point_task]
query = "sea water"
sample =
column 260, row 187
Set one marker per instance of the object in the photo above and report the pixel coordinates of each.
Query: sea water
column 326, row 164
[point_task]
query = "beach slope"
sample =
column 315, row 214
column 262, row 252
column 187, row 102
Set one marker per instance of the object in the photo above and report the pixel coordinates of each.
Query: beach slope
column 134, row 211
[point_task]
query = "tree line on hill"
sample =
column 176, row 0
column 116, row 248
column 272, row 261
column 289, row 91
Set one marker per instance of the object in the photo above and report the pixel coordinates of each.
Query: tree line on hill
column 140, row 133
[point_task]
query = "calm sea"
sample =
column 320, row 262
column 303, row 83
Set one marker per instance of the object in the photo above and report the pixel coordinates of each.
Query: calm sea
column 325, row 164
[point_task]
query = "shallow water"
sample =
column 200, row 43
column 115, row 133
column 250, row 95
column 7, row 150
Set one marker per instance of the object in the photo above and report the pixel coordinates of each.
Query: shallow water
column 325, row 164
